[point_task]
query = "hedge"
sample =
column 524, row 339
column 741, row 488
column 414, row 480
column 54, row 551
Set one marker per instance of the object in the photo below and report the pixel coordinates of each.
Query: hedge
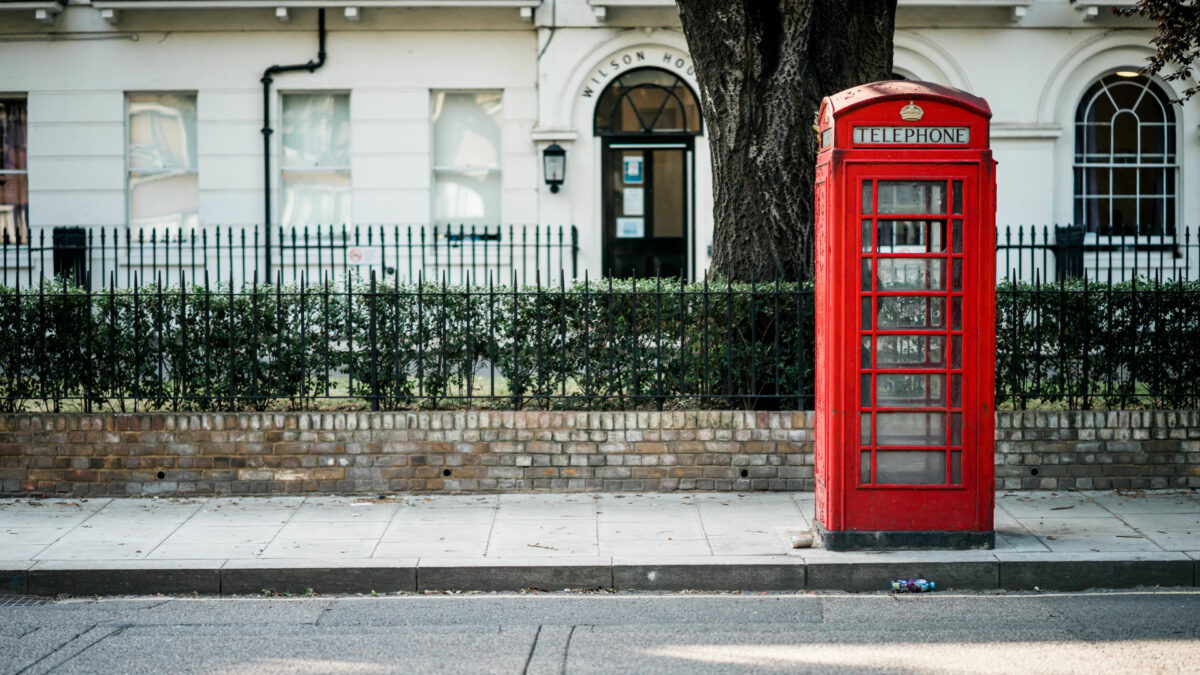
column 612, row 345
column 1078, row 344
column 618, row 345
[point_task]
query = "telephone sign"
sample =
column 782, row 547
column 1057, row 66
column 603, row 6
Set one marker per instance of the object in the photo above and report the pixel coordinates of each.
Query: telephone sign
column 912, row 135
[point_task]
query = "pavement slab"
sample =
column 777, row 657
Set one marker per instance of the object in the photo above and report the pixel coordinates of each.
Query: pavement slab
column 453, row 549
column 1171, row 531
column 1035, row 503
column 669, row 541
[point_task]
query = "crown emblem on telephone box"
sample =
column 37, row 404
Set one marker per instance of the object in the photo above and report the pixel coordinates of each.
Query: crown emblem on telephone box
column 911, row 112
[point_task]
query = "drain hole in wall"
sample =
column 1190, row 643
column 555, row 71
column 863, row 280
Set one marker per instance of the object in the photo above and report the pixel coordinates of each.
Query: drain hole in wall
column 445, row 472
column 1033, row 472
column 745, row 473
column 161, row 475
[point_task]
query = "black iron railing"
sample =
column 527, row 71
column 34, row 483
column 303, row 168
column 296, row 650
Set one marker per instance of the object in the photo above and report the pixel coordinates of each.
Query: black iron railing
column 1120, row 336
column 1080, row 344
column 630, row 345
column 237, row 254
column 526, row 253
column 1054, row 252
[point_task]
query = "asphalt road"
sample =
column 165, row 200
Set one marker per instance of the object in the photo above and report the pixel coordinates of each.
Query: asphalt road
column 1133, row 631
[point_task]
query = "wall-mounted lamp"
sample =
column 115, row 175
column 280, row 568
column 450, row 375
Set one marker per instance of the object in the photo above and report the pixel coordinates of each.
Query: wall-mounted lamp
column 554, row 166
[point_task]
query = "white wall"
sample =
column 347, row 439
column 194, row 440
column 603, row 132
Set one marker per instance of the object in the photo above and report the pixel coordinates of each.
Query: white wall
column 1033, row 75
column 1032, row 70
column 568, row 95
column 76, row 91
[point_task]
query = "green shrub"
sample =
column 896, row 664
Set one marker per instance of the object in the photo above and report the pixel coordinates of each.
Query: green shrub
column 1086, row 345
column 46, row 351
column 603, row 345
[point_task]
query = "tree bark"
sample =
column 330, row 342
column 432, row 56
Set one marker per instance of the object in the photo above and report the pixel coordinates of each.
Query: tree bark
column 763, row 67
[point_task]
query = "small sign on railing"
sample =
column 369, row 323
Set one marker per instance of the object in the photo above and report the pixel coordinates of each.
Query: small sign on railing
column 359, row 255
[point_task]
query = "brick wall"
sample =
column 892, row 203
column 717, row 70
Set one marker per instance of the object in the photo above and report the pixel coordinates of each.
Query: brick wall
column 478, row 451
column 176, row 454
column 1100, row 450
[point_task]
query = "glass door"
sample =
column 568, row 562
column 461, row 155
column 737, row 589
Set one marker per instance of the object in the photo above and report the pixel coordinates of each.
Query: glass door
column 646, row 212
column 911, row 333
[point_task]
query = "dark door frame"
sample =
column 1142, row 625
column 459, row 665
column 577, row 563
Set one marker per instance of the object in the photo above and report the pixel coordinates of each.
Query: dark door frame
column 682, row 141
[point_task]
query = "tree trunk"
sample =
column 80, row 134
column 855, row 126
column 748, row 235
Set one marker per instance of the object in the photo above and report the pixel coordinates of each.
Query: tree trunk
column 763, row 67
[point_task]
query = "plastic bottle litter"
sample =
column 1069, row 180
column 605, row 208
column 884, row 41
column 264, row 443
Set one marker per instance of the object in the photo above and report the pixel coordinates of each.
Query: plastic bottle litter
column 912, row 585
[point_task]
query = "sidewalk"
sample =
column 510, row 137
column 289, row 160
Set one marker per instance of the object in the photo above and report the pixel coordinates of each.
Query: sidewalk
column 673, row 541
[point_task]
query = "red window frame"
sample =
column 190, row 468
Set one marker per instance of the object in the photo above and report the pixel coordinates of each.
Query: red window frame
column 957, row 221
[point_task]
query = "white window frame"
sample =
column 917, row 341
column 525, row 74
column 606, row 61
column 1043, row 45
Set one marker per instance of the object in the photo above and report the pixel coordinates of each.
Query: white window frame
column 435, row 169
column 320, row 232
column 1171, row 165
column 20, row 172
column 179, row 231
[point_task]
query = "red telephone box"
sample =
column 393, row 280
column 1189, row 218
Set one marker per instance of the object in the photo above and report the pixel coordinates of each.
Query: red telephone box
column 905, row 228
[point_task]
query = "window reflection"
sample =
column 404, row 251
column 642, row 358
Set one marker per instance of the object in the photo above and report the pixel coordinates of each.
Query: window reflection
column 911, row 274
column 911, row 351
column 316, row 198
column 915, row 429
column 912, row 236
column 163, row 182
column 467, row 129
column 163, row 202
column 910, row 467
column 14, row 178
column 316, row 160
column 914, row 197
column 899, row 312
column 316, row 131
column 468, row 197
column 910, row 391
column 162, row 131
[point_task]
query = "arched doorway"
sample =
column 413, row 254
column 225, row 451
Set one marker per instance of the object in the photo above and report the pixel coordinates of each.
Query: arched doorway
column 647, row 120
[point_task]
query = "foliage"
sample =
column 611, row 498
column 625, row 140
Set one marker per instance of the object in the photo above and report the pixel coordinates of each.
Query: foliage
column 610, row 345
column 49, row 363
column 620, row 344
column 226, row 348
column 1086, row 345
column 1177, row 41
column 409, row 342
column 154, row 347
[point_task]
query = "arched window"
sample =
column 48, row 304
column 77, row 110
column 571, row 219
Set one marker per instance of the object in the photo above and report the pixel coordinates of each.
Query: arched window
column 646, row 101
column 1125, row 162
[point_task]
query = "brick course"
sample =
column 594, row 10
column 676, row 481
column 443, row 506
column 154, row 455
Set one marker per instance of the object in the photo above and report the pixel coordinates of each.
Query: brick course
column 371, row 453
column 1097, row 450
column 489, row 451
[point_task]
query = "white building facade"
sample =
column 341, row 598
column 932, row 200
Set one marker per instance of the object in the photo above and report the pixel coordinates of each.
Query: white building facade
column 149, row 115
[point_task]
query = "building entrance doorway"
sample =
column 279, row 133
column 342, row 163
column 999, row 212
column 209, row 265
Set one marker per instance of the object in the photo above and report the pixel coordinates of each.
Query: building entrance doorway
column 646, row 209
column 647, row 120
